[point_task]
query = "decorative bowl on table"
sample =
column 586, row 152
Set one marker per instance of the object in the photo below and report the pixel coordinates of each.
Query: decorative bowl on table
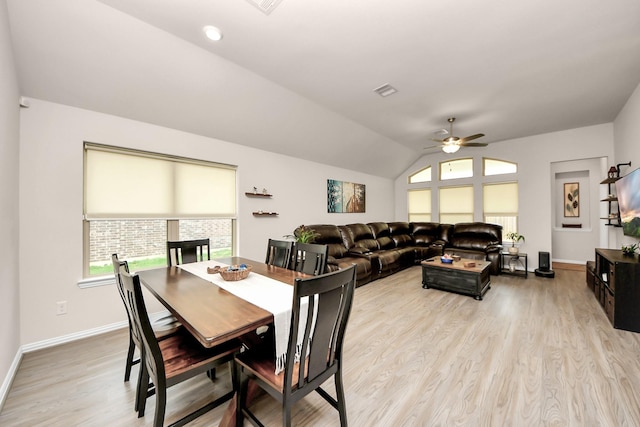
column 446, row 260
column 231, row 273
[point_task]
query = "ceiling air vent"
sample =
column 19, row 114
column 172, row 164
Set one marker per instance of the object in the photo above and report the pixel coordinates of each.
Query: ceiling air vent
column 266, row 6
column 385, row 90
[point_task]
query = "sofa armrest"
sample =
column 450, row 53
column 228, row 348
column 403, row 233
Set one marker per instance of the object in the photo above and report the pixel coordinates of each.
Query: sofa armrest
column 332, row 260
column 493, row 248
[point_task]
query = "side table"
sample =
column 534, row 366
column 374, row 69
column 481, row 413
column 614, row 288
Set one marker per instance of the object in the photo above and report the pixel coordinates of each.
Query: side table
column 520, row 263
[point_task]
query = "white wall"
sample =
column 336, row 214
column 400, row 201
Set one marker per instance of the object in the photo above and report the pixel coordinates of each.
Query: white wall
column 627, row 148
column 575, row 245
column 51, row 156
column 534, row 156
column 9, row 141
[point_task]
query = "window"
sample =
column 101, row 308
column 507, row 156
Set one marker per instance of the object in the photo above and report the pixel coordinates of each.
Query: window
column 135, row 201
column 500, row 205
column 498, row 167
column 423, row 175
column 456, row 204
column 419, row 202
column 453, row 169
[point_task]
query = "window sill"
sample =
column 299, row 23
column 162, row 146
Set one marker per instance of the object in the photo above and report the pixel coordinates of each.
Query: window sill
column 94, row 282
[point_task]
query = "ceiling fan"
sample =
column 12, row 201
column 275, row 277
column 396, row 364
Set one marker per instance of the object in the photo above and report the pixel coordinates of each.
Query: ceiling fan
column 452, row 143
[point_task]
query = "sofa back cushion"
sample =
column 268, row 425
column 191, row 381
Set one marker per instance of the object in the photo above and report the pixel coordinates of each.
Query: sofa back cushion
column 401, row 234
column 476, row 235
column 382, row 234
column 425, row 233
column 361, row 236
column 329, row 235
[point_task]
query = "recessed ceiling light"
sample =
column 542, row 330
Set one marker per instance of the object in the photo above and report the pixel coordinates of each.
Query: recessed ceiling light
column 212, row 33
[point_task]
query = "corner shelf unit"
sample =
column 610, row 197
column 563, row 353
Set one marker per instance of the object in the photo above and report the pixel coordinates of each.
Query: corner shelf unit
column 612, row 200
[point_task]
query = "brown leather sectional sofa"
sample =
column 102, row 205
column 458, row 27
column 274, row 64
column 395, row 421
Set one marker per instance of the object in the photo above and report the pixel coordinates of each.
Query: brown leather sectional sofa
column 382, row 248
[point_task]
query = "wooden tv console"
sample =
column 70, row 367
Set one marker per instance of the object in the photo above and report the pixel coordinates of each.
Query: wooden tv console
column 616, row 285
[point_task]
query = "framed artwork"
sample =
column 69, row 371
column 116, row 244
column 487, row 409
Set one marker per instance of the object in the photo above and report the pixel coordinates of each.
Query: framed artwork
column 571, row 199
column 345, row 197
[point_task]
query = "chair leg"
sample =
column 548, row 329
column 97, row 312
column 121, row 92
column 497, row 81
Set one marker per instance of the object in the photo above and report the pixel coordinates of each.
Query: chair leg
column 161, row 404
column 242, row 382
column 286, row 413
column 142, row 391
column 132, row 349
column 211, row 373
column 342, row 405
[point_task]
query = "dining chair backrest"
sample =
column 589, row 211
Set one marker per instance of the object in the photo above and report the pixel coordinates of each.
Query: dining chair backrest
column 310, row 258
column 328, row 299
column 141, row 323
column 134, row 338
column 319, row 316
column 187, row 251
column 185, row 357
column 279, row 253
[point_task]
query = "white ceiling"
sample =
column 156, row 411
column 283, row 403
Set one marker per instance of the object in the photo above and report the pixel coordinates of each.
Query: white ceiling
column 300, row 80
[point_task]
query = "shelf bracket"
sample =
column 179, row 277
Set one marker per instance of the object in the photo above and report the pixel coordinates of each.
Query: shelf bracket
column 622, row 164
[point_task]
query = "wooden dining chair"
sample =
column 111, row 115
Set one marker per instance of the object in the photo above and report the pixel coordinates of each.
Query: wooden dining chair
column 279, row 253
column 187, row 251
column 172, row 360
column 330, row 298
column 310, row 258
column 162, row 327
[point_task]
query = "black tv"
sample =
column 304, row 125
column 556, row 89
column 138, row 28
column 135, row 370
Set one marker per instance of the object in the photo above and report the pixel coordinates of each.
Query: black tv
column 628, row 191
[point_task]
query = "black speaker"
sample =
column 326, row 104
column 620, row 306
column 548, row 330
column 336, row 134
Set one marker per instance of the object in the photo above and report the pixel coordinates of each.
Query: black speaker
column 543, row 261
column 544, row 265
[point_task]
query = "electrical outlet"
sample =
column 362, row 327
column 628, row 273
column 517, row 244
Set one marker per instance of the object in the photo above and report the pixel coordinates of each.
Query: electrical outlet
column 61, row 308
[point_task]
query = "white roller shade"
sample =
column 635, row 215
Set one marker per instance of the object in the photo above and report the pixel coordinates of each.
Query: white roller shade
column 419, row 201
column 126, row 184
column 456, row 200
column 500, row 198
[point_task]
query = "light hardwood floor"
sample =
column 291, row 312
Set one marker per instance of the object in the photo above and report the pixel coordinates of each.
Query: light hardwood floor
column 534, row 352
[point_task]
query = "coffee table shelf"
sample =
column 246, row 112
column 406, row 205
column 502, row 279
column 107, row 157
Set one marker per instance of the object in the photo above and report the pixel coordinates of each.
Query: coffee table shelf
column 455, row 277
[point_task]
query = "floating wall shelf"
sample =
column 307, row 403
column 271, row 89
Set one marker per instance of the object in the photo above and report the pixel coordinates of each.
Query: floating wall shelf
column 249, row 194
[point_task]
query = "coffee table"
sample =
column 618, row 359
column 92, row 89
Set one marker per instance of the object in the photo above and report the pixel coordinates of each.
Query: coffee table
column 455, row 277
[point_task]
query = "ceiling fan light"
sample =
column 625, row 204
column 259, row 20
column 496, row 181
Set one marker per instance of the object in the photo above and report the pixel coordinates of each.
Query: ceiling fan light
column 450, row 148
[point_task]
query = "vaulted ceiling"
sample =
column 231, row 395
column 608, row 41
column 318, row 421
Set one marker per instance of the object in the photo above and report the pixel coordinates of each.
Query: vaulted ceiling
column 300, row 80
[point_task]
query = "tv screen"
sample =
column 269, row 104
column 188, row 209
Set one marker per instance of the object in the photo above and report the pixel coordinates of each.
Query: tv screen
column 628, row 191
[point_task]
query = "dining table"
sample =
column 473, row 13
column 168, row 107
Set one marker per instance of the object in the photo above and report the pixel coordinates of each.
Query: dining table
column 210, row 313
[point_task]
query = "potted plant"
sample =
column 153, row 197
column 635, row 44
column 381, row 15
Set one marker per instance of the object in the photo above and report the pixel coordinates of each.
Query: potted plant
column 303, row 234
column 630, row 249
column 515, row 237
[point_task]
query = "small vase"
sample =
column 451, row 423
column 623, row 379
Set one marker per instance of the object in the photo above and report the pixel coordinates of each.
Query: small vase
column 512, row 266
column 513, row 250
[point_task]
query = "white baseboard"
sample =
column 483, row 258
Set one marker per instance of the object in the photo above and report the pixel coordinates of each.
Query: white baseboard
column 72, row 337
column 13, row 369
column 8, row 380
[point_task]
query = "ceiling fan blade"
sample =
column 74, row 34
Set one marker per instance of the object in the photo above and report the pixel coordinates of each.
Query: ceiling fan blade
column 441, row 141
column 471, row 137
column 432, row 147
column 473, row 144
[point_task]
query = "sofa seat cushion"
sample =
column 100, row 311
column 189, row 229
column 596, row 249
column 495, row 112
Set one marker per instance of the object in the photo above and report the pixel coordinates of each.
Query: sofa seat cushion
column 363, row 268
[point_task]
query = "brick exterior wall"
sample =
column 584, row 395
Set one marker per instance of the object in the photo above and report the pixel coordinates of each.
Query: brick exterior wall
column 143, row 238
